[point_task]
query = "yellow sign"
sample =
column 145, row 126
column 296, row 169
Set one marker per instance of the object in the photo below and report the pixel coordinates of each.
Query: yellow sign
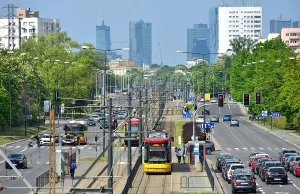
column 207, row 96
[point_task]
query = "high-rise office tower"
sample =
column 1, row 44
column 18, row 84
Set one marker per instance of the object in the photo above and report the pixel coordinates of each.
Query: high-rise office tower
column 103, row 37
column 238, row 21
column 277, row 25
column 198, row 41
column 213, row 32
column 140, row 42
column 296, row 24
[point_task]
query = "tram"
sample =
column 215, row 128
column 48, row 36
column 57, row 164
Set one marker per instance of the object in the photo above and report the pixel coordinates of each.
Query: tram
column 134, row 132
column 158, row 155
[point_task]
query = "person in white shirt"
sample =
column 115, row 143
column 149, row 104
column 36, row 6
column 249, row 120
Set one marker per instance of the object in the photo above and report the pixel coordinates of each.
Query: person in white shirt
column 179, row 153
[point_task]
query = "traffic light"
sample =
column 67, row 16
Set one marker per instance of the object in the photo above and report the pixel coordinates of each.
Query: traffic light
column 221, row 100
column 91, row 96
column 258, row 98
column 56, row 95
column 247, row 99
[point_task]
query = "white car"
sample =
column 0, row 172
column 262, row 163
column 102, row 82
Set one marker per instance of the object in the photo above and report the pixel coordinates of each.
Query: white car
column 200, row 119
column 96, row 118
column 232, row 168
column 45, row 139
column 202, row 100
column 213, row 101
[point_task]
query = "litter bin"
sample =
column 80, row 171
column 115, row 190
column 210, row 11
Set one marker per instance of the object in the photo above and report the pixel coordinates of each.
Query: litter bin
column 199, row 167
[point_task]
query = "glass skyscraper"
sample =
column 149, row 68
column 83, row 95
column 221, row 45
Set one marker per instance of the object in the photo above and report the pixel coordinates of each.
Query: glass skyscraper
column 198, row 41
column 103, row 37
column 213, row 33
column 140, row 42
column 277, row 25
column 296, row 24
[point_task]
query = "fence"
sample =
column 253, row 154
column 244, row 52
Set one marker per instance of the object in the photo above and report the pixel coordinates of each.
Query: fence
column 132, row 175
column 42, row 180
column 210, row 175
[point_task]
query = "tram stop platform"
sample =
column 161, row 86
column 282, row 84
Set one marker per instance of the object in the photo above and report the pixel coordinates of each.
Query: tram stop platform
column 186, row 178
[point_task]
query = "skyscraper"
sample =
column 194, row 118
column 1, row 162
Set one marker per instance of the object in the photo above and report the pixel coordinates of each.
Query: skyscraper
column 238, row 21
column 198, row 41
column 213, row 32
column 277, row 25
column 296, row 24
column 103, row 37
column 140, row 42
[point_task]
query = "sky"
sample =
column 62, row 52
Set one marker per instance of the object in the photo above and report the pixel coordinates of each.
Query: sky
column 170, row 19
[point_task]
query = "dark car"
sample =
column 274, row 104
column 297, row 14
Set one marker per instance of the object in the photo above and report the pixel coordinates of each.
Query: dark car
column 276, row 174
column 260, row 161
column 214, row 118
column 91, row 122
column 104, row 124
column 287, row 164
column 286, row 157
column 206, row 111
column 227, row 118
column 243, row 182
column 18, row 159
column 219, row 158
column 210, row 147
column 265, row 166
column 284, row 151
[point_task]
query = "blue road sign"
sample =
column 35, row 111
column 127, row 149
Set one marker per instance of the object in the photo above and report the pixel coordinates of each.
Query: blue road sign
column 192, row 98
column 207, row 125
column 264, row 114
column 275, row 114
column 212, row 125
column 187, row 116
column 177, row 107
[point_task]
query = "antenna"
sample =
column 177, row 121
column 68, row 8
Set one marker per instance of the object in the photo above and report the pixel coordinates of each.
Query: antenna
column 11, row 26
column 161, row 60
column 142, row 13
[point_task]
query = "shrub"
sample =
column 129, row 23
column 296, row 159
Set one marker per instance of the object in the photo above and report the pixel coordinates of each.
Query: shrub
column 187, row 131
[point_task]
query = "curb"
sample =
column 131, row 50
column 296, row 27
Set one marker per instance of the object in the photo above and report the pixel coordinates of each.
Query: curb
column 7, row 144
column 217, row 145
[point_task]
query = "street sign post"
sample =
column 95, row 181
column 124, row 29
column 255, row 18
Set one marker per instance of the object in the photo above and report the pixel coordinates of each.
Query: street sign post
column 187, row 116
column 264, row 114
column 47, row 105
column 275, row 115
column 207, row 125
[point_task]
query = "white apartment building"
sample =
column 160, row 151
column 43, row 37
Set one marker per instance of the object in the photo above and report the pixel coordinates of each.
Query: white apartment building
column 238, row 21
column 22, row 27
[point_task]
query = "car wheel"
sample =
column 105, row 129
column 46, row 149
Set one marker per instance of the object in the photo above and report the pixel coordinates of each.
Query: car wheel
column 285, row 182
column 233, row 190
column 208, row 151
column 267, row 181
column 253, row 191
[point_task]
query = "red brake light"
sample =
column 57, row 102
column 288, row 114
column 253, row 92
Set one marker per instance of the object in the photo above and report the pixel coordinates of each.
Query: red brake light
column 269, row 174
column 284, row 173
column 252, row 181
column 235, row 181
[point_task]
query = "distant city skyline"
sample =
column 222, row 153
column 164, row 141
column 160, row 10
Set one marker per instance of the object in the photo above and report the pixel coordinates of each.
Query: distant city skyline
column 103, row 37
column 169, row 27
column 277, row 24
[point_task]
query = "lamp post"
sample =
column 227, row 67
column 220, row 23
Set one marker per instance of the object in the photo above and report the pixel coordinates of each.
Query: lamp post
column 48, row 86
column 65, row 63
column 73, row 84
column 97, row 93
column 24, row 96
column 10, row 100
column 37, row 92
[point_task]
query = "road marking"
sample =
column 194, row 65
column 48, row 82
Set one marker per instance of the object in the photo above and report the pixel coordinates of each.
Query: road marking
column 89, row 148
column 269, row 148
column 276, row 148
column 23, row 150
column 236, row 148
column 280, row 186
column 47, row 162
column 261, row 148
column 228, row 148
column 2, row 161
column 18, row 146
column 38, row 162
column 82, row 147
column 245, row 148
column 10, row 146
column 252, row 148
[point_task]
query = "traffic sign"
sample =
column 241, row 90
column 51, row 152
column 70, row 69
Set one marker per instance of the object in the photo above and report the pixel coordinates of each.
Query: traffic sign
column 202, row 126
column 187, row 116
column 275, row 114
column 264, row 113
column 177, row 107
column 62, row 108
column 47, row 105
column 212, row 125
column 192, row 98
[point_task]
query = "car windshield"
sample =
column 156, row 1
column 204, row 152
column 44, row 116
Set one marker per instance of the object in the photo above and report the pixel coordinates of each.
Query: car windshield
column 157, row 153
column 276, row 170
column 289, row 154
column 15, row 156
column 272, row 164
column 236, row 167
column 243, row 177
column 289, row 151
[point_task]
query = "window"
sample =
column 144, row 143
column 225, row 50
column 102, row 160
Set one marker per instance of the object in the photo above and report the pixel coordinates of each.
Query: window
column 287, row 34
column 24, row 23
column 31, row 23
column 20, row 14
column 257, row 21
column 24, row 30
column 257, row 17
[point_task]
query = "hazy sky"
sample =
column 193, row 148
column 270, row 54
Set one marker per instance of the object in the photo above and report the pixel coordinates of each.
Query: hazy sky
column 170, row 19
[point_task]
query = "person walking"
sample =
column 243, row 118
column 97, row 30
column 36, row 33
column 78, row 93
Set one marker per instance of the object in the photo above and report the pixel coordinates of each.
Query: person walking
column 179, row 154
column 184, row 152
column 37, row 137
column 72, row 168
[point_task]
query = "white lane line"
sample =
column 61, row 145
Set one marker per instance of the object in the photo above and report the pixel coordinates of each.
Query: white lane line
column 276, row 148
column 38, row 162
column 18, row 146
column 228, row 148
column 82, row 147
column 47, row 162
column 10, row 146
column 236, row 148
column 245, row 148
column 89, row 148
column 269, row 148
column 24, row 150
column 2, row 161
column 252, row 148
column 261, row 148
column 280, row 185
column 296, row 187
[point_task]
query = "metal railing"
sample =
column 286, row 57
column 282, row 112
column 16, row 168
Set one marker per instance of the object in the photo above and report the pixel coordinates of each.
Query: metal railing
column 210, row 175
column 132, row 175
column 193, row 185
column 42, row 180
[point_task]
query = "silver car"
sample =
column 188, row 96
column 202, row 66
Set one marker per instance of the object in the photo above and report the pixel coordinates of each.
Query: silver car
column 214, row 118
column 121, row 116
column 234, row 122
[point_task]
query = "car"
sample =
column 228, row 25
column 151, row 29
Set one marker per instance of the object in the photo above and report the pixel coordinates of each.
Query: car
column 231, row 170
column 219, row 158
column 121, row 115
column 276, row 174
column 241, row 170
column 255, row 158
column 264, row 168
column 252, row 154
column 203, row 100
column 213, row 101
column 68, row 140
column 96, row 118
column 19, row 160
column 296, row 171
column 287, row 164
column 214, row 118
column 45, row 139
column 200, row 119
column 243, row 182
column 91, row 122
column 293, row 163
column 259, row 163
column 284, row 151
column 286, row 157
column 227, row 164
column 206, row 111
column 227, row 118
column 210, row 147
column 234, row 122
column 104, row 124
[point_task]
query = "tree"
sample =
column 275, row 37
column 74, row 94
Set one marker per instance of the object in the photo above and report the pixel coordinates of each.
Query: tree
column 4, row 110
column 241, row 43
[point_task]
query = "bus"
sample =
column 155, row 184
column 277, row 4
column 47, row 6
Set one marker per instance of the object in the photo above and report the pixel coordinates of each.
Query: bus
column 78, row 130
column 158, row 154
column 134, row 132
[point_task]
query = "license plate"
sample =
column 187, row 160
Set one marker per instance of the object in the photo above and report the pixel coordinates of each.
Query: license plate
column 15, row 164
column 244, row 183
column 277, row 179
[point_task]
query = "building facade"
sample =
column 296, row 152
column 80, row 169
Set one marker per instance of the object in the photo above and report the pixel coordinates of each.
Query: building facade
column 291, row 36
column 213, row 33
column 198, row 41
column 296, row 24
column 140, row 42
column 103, row 37
column 23, row 26
column 271, row 36
column 238, row 21
column 120, row 67
column 277, row 25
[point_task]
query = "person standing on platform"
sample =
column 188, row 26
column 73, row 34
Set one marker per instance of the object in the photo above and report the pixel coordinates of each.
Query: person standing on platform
column 184, row 152
column 72, row 168
column 179, row 154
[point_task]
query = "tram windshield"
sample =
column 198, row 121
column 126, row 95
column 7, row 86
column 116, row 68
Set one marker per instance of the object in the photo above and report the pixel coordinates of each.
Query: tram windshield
column 134, row 130
column 158, row 153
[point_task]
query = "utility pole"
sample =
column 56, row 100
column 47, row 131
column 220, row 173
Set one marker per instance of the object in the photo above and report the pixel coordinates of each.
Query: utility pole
column 110, row 149
column 129, row 132
column 52, row 155
column 140, row 122
column 146, row 110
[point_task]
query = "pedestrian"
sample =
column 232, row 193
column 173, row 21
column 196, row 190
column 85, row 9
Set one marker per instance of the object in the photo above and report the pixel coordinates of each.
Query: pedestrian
column 37, row 139
column 72, row 168
column 184, row 148
column 179, row 154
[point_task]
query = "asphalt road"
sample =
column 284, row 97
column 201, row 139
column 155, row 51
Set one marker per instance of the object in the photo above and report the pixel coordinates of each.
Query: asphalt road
column 38, row 158
column 241, row 141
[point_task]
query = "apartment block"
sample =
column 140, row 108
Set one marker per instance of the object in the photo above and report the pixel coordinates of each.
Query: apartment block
column 291, row 36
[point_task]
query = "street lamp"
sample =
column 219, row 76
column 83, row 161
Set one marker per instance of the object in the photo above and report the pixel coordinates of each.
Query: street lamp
column 24, row 96
column 65, row 63
column 48, row 86
column 10, row 100
column 37, row 93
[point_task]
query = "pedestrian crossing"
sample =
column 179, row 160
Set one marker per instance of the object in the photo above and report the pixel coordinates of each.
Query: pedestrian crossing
column 251, row 149
column 25, row 148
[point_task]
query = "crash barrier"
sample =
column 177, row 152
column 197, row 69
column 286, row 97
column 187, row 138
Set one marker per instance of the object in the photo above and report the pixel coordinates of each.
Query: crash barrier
column 42, row 180
column 210, row 175
column 132, row 175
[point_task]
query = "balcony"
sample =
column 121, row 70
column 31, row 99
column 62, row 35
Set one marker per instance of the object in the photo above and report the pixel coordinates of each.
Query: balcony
column 294, row 37
column 294, row 44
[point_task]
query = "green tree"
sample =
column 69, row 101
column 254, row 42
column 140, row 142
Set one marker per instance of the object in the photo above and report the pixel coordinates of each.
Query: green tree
column 241, row 43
